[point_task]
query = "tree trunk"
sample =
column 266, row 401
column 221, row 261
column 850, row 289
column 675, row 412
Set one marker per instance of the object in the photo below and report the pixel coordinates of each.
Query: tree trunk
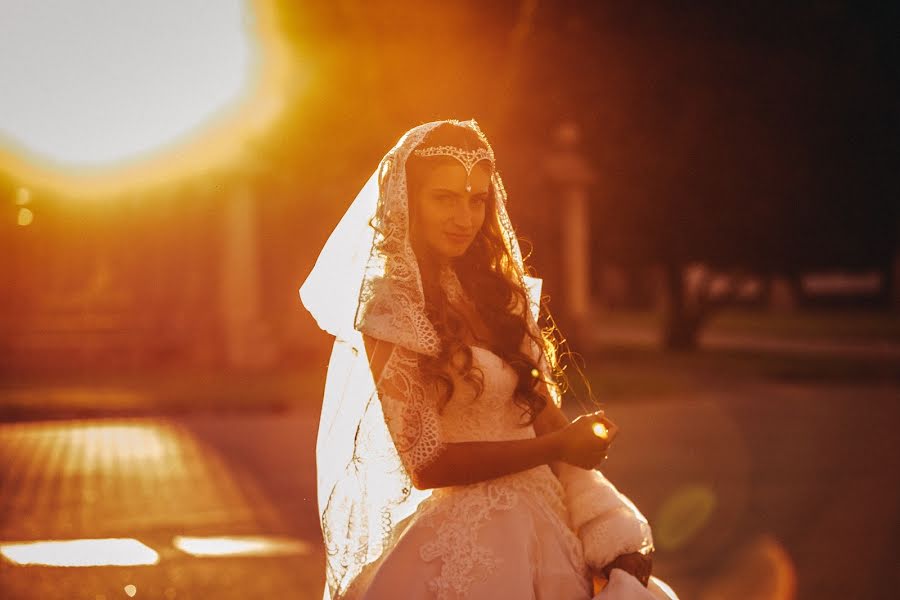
column 681, row 322
column 891, row 288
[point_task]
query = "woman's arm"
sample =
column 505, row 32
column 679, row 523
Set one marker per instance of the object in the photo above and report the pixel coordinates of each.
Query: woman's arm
column 462, row 463
column 551, row 418
column 470, row 462
column 548, row 422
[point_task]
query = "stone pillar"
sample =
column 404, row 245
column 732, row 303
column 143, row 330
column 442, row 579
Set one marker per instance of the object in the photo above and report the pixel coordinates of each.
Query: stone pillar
column 575, row 239
column 568, row 168
column 248, row 343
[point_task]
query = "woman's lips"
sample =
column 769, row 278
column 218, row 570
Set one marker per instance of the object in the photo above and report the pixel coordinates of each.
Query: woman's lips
column 457, row 238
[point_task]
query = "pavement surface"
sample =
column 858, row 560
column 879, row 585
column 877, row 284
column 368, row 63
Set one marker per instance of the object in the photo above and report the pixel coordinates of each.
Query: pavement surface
column 159, row 481
column 755, row 489
column 711, row 340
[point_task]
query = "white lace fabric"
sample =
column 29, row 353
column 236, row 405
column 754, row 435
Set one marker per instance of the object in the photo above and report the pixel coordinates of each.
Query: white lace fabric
column 367, row 280
column 410, row 411
column 372, row 437
column 459, row 516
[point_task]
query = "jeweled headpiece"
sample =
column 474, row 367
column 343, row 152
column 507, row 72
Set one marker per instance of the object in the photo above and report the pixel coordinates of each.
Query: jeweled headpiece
column 468, row 158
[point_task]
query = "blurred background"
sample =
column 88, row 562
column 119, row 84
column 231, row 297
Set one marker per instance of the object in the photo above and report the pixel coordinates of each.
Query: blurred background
column 709, row 191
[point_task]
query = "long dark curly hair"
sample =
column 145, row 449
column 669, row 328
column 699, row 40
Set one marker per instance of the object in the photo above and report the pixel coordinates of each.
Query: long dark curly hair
column 488, row 276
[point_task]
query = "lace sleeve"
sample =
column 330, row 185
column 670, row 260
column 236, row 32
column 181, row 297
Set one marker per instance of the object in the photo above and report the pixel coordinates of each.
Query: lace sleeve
column 410, row 410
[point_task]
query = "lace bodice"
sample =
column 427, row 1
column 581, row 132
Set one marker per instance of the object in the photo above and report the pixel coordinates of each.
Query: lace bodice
column 458, row 512
column 376, row 433
column 492, row 415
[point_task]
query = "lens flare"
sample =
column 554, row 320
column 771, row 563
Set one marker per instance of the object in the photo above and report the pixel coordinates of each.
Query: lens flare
column 241, row 546
column 683, row 515
column 80, row 553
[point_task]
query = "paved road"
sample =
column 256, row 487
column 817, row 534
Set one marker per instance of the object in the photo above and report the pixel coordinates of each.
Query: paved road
column 152, row 480
column 751, row 487
column 611, row 334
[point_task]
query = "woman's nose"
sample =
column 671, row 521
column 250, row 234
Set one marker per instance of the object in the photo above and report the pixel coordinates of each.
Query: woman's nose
column 462, row 214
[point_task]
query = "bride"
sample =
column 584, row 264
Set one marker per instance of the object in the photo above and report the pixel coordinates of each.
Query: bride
column 445, row 467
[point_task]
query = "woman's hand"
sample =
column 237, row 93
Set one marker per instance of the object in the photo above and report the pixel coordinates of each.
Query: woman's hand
column 637, row 564
column 580, row 445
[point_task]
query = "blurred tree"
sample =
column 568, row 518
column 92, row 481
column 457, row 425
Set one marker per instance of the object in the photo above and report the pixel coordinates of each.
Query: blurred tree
column 757, row 138
column 754, row 137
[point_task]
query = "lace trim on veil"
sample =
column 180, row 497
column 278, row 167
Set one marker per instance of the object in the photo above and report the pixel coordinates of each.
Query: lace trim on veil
column 372, row 437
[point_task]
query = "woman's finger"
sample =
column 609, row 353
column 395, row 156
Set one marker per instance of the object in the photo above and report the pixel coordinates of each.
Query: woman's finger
column 606, row 421
column 611, row 428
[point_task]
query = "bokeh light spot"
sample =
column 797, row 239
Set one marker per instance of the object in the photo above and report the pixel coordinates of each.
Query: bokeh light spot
column 26, row 217
column 23, row 196
column 762, row 569
column 683, row 515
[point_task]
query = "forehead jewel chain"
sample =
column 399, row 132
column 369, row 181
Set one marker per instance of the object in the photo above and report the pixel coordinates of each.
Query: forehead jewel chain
column 468, row 158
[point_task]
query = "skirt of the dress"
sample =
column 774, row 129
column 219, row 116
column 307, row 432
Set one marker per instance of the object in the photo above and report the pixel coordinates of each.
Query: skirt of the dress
column 490, row 543
column 519, row 551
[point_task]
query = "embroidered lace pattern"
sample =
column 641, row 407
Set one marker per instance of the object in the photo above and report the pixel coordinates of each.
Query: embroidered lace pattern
column 457, row 514
column 457, row 523
column 373, row 435
column 410, row 412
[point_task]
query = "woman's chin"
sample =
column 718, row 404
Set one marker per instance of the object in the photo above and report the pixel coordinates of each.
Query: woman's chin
column 448, row 251
column 457, row 252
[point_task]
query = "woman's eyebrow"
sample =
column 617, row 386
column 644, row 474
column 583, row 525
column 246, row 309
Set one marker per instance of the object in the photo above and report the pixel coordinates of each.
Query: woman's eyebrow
column 446, row 191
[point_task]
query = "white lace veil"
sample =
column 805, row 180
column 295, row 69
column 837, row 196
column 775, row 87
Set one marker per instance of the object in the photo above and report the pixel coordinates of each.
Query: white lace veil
column 367, row 280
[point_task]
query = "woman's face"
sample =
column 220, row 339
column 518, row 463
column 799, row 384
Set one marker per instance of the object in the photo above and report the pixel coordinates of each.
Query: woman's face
column 447, row 217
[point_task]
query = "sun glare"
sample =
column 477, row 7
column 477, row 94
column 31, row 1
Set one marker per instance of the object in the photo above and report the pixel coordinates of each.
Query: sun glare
column 93, row 83
column 104, row 95
column 81, row 553
column 241, row 546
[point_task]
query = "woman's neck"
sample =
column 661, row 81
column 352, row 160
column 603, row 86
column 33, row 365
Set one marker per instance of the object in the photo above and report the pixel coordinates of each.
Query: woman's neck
column 431, row 266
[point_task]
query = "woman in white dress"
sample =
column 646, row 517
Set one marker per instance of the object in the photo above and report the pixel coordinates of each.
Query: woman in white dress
column 445, row 466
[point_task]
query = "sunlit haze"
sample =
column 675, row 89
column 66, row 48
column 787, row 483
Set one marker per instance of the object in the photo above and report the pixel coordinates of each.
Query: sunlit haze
column 95, row 82
column 99, row 97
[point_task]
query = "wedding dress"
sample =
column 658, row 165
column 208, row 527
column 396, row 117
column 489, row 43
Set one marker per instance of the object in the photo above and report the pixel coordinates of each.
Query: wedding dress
column 503, row 538
column 508, row 537
column 519, row 536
